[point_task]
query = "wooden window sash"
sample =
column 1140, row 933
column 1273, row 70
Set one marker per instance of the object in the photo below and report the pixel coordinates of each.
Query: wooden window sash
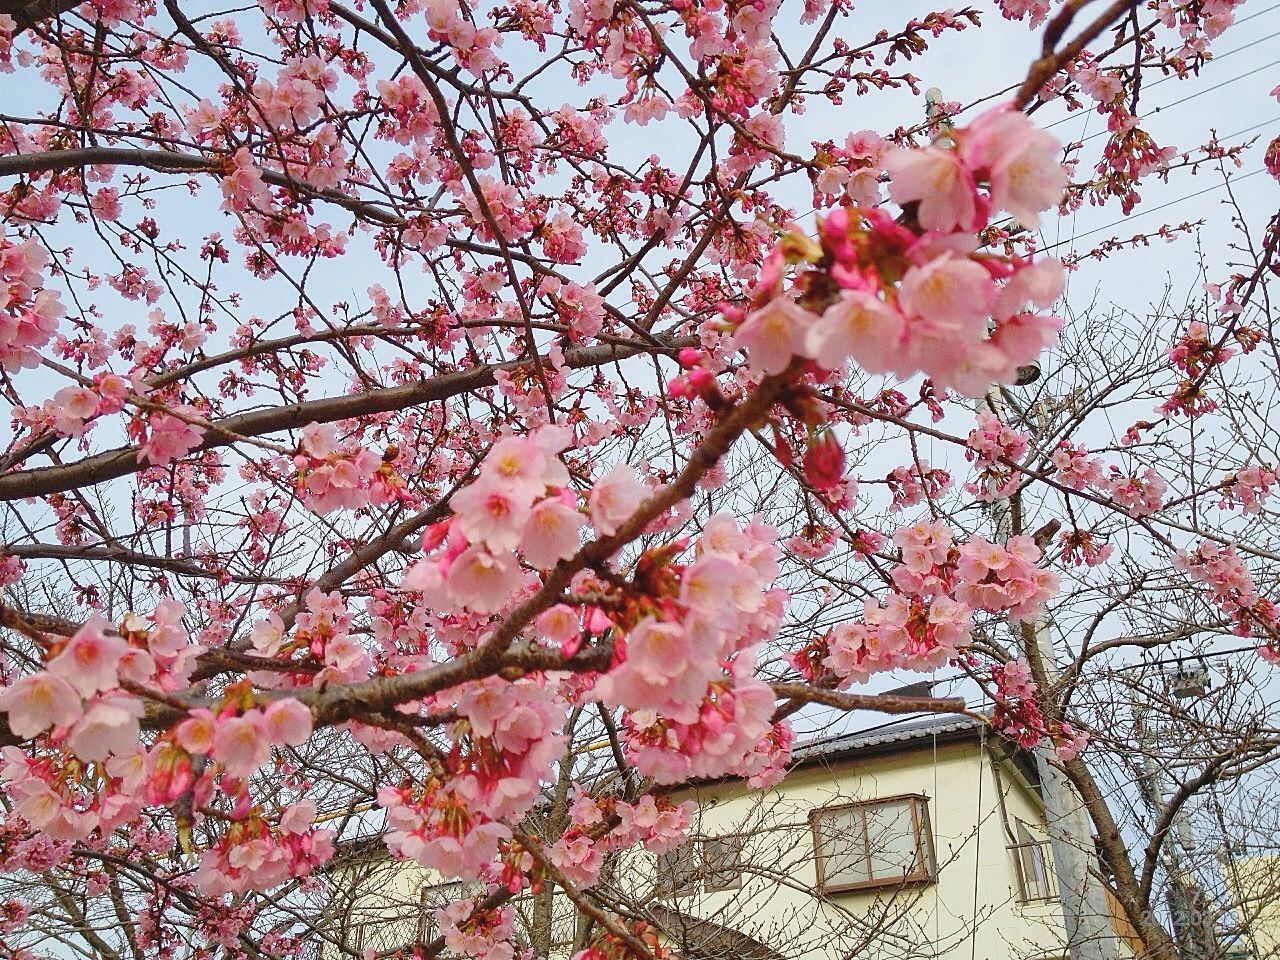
column 923, row 868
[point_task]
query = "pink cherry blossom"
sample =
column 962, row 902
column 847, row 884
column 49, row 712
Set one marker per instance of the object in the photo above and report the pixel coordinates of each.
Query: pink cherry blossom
column 91, row 658
column 492, row 512
column 241, row 744
column 857, row 325
column 108, row 727
column 551, row 533
column 774, row 334
column 169, row 438
column 483, row 581
column 614, row 497
column 287, row 722
column 39, row 701
column 938, row 181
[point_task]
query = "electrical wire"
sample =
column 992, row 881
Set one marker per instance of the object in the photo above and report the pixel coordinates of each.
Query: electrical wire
column 1163, row 206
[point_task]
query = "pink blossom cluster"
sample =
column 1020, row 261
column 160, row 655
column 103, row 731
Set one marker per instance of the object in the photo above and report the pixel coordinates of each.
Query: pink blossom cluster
column 77, row 698
column 1086, row 547
column 899, row 633
column 72, row 410
column 732, row 720
column 54, row 796
column 1233, row 590
column 469, row 931
column 254, row 854
column 1016, row 713
column 240, row 740
column 336, row 475
column 433, row 825
column 11, row 569
column 917, row 295
column 519, row 501
column 656, row 822
column 1004, row 578
column 607, row 946
column 917, row 483
column 505, row 743
column 166, row 435
column 322, row 633
column 854, row 169
column 29, row 313
column 927, row 619
column 992, row 446
column 510, row 736
column 666, row 662
column 1249, row 487
column 1139, row 495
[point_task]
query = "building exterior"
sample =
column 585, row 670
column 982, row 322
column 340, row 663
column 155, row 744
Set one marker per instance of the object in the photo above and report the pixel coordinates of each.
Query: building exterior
column 913, row 840
column 1254, row 883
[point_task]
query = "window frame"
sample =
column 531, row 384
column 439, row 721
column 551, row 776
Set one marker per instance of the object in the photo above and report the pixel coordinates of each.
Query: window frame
column 1033, row 866
column 927, row 869
column 733, row 881
column 672, row 884
column 699, row 876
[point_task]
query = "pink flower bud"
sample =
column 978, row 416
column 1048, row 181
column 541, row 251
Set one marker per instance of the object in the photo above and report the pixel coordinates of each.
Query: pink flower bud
column 824, row 461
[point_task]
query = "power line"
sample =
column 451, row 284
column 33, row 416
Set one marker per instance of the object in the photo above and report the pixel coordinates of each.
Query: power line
column 1163, row 206
column 1217, row 59
column 1198, row 93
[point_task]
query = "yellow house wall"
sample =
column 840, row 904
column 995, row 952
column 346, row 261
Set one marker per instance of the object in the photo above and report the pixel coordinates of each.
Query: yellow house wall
column 971, row 911
column 1255, row 883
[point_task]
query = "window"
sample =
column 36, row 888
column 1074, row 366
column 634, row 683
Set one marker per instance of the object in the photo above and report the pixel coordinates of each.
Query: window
column 1031, row 861
column 678, row 871
column 722, row 863
column 872, row 844
column 715, row 862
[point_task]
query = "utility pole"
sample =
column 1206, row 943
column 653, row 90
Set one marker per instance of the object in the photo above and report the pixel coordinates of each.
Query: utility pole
column 1086, row 914
column 1189, row 908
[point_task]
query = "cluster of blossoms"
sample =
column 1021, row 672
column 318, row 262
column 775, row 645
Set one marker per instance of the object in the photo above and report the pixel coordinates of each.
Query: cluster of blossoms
column 610, row 947
column 1084, row 547
column 166, row 435
column 685, row 653
column 72, row 410
column 917, row 294
column 993, row 444
column 29, row 313
column 333, row 475
column 505, row 743
column 657, row 823
column 1140, row 495
column 912, row 484
column 90, row 778
column 520, row 500
column 1234, row 591
column 1017, row 714
column 1195, row 355
column 256, row 854
column 1249, row 487
column 927, row 619
column 851, row 171
column 239, row 737
column 472, row 931
column 77, row 698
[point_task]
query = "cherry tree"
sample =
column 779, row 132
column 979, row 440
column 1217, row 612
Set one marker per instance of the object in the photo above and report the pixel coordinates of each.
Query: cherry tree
column 405, row 395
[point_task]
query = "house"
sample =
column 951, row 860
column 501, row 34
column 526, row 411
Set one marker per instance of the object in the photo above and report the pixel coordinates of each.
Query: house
column 1254, row 886
column 914, row 839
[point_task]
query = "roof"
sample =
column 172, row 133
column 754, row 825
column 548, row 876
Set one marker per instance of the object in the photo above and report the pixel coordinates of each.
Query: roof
column 914, row 734
column 876, row 739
